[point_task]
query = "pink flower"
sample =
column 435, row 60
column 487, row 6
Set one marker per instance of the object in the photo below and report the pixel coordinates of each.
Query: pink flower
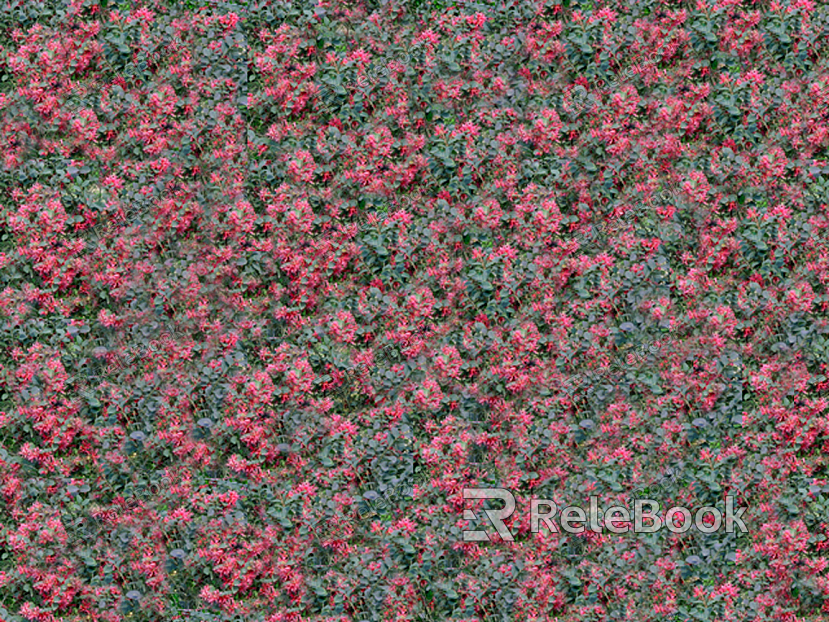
column 113, row 181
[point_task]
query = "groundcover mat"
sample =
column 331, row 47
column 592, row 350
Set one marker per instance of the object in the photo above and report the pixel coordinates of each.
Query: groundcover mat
column 374, row 311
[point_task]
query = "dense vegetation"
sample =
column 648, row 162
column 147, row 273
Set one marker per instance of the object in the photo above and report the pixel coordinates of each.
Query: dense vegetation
column 281, row 279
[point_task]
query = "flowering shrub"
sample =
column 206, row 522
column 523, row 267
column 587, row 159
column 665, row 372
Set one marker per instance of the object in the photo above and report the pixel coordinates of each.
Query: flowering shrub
column 280, row 279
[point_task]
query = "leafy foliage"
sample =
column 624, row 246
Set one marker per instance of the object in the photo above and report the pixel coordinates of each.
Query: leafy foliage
column 280, row 279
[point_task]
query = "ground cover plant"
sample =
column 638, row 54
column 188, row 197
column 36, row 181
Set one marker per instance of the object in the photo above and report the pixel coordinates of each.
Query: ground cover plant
column 280, row 279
